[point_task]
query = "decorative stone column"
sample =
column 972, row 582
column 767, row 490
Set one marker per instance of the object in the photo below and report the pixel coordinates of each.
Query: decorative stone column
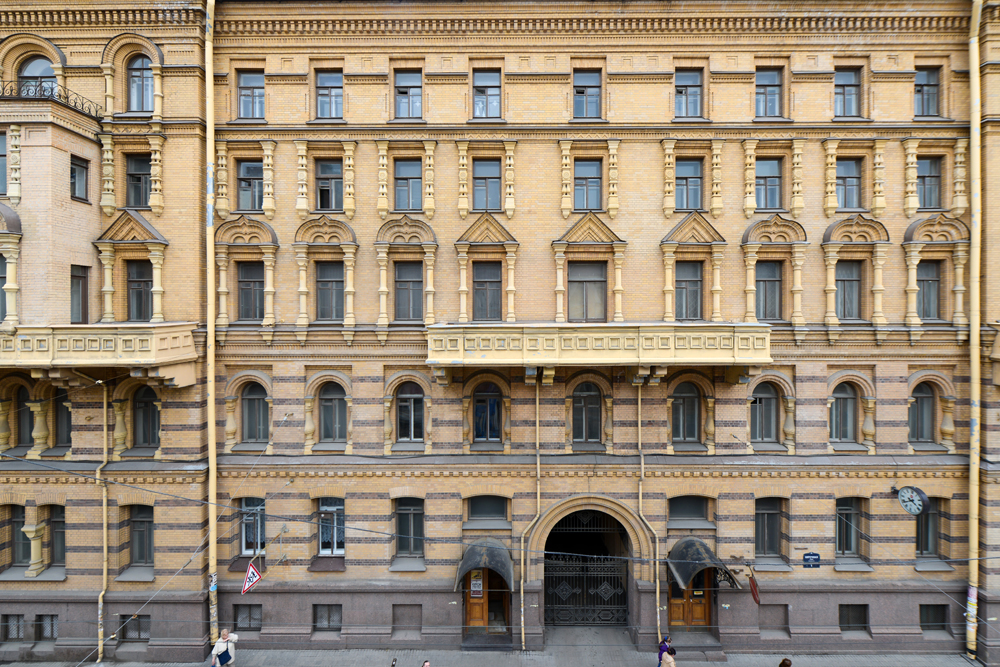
column 108, row 70
column 14, row 163
column 830, row 255
column 157, row 70
column 960, row 197
column 710, row 424
column 878, row 178
column 566, row 202
column 463, row 180
column 669, row 177
column 429, row 178
column 749, row 177
column 948, row 423
column 912, row 319
column 269, row 259
column 232, row 402
column 349, row 448
column 267, row 201
column 382, row 205
column 302, row 321
column 10, row 250
column 35, row 533
column 40, row 430
column 466, row 426
column 668, row 413
column 750, row 258
column 613, row 177
column 717, row 283
column 428, row 425
column 429, row 249
column 349, row 204
column 959, row 256
column 155, row 172
column 609, row 424
column 797, row 318
column 350, row 249
column 668, row 280
column 309, row 427
column 382, row 257
column 559, row 247
column 911, row 200
column 619, row 289
column 222, row 207
column 222, row 318
column 387, row 425
column 868, row 423
column 302, row 175
column 121, row 427
column 568, row 422
column 715, row 206
column 462, row 249
column 830, row 198
column 878, row 262
column 509, row 205
column 108, row 204
column 107, row 257
column 511, row 257
column 797, row 203
column 5, row 424
column 156, row 259
column 788, row 429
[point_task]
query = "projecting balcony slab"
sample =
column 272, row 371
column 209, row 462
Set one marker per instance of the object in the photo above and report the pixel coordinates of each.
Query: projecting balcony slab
column 605, row 344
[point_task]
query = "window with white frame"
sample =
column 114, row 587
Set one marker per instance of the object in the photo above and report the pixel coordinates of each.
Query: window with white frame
column 331, row 527
column 253, row 536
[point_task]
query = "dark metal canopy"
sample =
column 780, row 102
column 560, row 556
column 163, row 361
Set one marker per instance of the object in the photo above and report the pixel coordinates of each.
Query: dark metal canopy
column 689, row 556
column 490, row 553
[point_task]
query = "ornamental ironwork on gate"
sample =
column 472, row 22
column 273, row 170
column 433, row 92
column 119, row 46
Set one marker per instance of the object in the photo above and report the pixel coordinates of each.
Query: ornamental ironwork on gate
column 585, row 590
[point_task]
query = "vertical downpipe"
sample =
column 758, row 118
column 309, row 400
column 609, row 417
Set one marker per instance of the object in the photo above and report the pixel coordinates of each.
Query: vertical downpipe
column 104, row 532
column 538, row 501
column 649, row 527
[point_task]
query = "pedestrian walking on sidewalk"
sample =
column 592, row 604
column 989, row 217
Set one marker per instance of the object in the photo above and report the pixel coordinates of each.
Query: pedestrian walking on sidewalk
column 785, row 663
column 668, row 657
column 224, row 652
column 664, row 647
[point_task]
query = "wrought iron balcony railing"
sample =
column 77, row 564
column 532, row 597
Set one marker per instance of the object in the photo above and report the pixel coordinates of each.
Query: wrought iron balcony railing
column 46, row 90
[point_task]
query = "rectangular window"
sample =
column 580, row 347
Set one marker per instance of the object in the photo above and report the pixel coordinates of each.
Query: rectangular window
column 768, row 290
column 587, row 185
column 588, row 290
column 688, row 185
column 487, row 294
column 250, row 284
column 248, row 616
column 767, row 533
column 688, row 507
column 929, row 182
column 768, row 99
column 927, row 529
column 486, row 185
column 253, row 533
column 768, row 183
column 78, row 173
column 408, row 185
column 409, row 98
column 3, row 164
column 849, row 184
column 929, row 284
column 22, row 545
column 410, row 527
column 925, row 93
column 409, row 291
column 330, row 291
column 331, row 526
column 251, row 94
column 847, row 93
column 140, row 290
column 46, row 627
column 141, row 521
column 79, row 293
column 688, row 93
column 853, row 617
column 933, row 617
column 12, row 627
column 487, row 507
column 250, row 186
column 330, row 94
column 135, row 629
column 486, row 94
column 587, row 94
column 687, row 290
column 328, row 617
column 137, row 168
column 848, row 301
column 330, row 185
column 57, row 533
column 848, row 526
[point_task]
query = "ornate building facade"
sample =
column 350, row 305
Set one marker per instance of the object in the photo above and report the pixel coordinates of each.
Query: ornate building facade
column 524, row 316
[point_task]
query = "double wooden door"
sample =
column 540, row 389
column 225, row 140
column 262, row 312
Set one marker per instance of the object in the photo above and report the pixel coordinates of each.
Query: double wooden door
column 487, row 602
column 692, row 606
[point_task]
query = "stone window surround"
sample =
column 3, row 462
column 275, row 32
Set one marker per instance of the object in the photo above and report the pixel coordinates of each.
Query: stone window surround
column 37, row 528
column 389, row 405
column 777, row 239
column 592, row 63
column 710, row 256
column 43, row 434
column 783, row 149
column 675, row 150
column 404, row 64
column 390, row 247
column 951, row 250
column 690, row 63
column 312, row 417
column 469, row 444
column 114, row 256
column 471, row 150
column 114, row 182
column 308, row 153
column 234, row 413
column 785, row 418
column 388, row 153
column 233, row 68
column 607, row 413
column 479, row 63
column 471, row 253
column 117, row 55
column 612, row 254
column 123, row 407
column 954, row 156
column 943, row 64
column 605, row 150
column 232, row 153
column 862, row 64
column 944, row 410
column 864, row 418
column 326, row 64
column 244, row 240
column 320, row 240
column 783, row 65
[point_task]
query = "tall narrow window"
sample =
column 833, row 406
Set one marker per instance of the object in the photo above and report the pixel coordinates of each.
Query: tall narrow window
column 255, row 413
column 587, row 413
column 768, row 186
column 588, row 291
column 250, row 186
column 764, row 414
column 587, row 185
column 927, row 530
column 79, row 170
column 3, row 164
column 329, row 94
column 410, row 412
column 63, row 418
column 768, row 98
column 586, row 94
column 140, row 290
column 408, row 188
column 685, row 425
column 409, row 98
column 141, row 538
column 486, row 404
column 848, row 526
column 486, row 93
column 409, row 527
column 929, row 284
column 137, row 169
column 36, row 78
column 687, row 290
column 687, row 93
column 330, row 291
column 768, row 283
column 409, row 291
column 12, row 627
column 46, row 627
column 487, row 286
column 79, row 293
column 251, row 94
column 844, row 414
column 330, row 185
column 332, row 413
column 253, row 533
column 767, row 532
column 57, row 533
column 250, row 282
column 25, row 418
column 22, row 545
column 848, row 283
column 486, row 185
column 847, row 93
column 848, row 184
column 147, row 418
column 929, row 182
column 922, row 410
column 688, row 185
column 925, row 93
column 140, row 84
column 331, row 526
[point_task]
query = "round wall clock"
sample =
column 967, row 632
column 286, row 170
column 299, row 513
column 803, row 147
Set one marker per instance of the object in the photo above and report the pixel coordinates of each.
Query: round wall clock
column 913, row 500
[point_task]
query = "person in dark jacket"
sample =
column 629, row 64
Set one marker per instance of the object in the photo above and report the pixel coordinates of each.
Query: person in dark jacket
column 664, row 645
column 785, row 663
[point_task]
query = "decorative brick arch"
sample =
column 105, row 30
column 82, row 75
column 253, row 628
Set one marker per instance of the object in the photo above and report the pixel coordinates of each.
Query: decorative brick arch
column 327, row 491
column 936, row 229
column 471, row 383
column 246, row 231
column 862, row 382
column 775, row 229
column 607, row 398
column 941, row 381
column 311, row 409
column 407, row 492
column 704, row 384
column 392, row 385
column 127, row 497
column 325, row 230
column 778, row 378
column 320, row 378
column 116, row 50
column 405, row 230
column 16, row 48
column 856, row 229
column 487, row 490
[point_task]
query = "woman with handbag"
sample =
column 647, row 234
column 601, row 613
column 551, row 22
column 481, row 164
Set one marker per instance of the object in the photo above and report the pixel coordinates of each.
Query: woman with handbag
column 224, row 652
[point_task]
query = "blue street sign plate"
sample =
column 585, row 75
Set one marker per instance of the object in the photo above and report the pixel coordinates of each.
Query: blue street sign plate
column 810, row 559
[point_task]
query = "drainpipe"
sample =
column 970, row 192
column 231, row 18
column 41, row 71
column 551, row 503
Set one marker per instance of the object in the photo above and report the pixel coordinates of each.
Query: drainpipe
column 649, row 527
column 538, row 501
column 213, row 531
column 975, row 319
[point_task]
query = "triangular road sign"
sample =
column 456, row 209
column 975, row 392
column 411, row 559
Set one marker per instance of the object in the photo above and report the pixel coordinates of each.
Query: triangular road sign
column 253, row 576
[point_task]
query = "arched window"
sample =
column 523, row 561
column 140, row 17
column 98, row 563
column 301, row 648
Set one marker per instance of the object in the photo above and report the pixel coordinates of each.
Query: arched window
column 587, row 413
column 486, row 411
column 764, row 413
column 140, row 84
column 332, row 413
column 64, row 418
column 686, row 416
column 25, row 418
column 922, row 413
column 844, row 414
column 255, row 413
column 147, row 418
column 36, row 78
column 410, row 412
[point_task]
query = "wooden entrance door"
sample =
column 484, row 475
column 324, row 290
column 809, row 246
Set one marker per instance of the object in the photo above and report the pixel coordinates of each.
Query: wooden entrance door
column 692, row 606
column 487, row 602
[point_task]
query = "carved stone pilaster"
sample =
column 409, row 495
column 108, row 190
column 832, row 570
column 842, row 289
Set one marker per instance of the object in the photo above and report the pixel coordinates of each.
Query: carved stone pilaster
column 222, row 207
column 108, row 69
column 349, row 202
column 463, row 180
column 429, row 250
column 382, row 323
column 831, row 253
column 155, row 253
column 5, row 424
column 429, row 178
column 155, row 172
column 717, row 283
column 509, row 204
column 463, row 281
column 960, row 197
column 121, row 427
column 566, row 171
column 878, row 178
column 108, row 204
column 267, row 204
column 559, row 248
column 668, row 280
column 797, row 318
column 35, row 533
column 619, row 289
column 797, row 203
column 959, row 256
column 568, row 421
column 868, row 423
column 222, row 318
column 387, row 424
column 309, row 427
column 668, row 413
column 382, row 205
column 350, row 251
column 609, row 424
column 14, row 164
column 912, row 319
column 40, row 430
column 613, row 177
column 750, row 259
column 948, row 423
column 302, row 321
column 830, row 196
column 710, row 424
column 715, row 207
column 669, row 177
column 911, row 200
column 231, row 404
column 466, row 426
column 269, row 259
column 11, row 251
column 428, row 424
column 788, row 429
column 749, row 177
column 107, row 257
column 878, row 262
column 302, row 175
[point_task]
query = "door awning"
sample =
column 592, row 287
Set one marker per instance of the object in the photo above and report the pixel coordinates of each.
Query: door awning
column 689, row 556
column 487, row 552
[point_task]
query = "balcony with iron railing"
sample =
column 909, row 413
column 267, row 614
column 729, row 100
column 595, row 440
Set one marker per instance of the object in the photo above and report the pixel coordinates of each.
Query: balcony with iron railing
column 49, row 90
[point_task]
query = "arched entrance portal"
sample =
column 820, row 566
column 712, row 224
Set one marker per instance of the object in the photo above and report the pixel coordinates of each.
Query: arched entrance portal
column 587, row 570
